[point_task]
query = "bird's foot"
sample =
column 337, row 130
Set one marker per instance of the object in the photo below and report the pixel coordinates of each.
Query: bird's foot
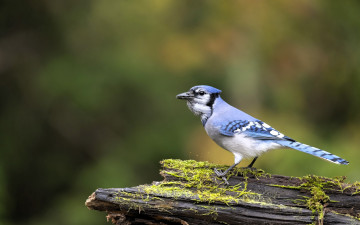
column 221, row 174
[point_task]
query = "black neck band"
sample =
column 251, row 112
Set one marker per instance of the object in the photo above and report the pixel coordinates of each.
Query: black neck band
column 212, row 99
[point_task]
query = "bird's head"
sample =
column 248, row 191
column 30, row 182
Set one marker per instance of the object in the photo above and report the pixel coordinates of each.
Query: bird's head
column 200, row 99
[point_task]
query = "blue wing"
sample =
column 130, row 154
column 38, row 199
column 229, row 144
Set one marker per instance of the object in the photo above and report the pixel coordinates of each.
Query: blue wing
column 254, row 129
column 229, row 129
column 262, row 131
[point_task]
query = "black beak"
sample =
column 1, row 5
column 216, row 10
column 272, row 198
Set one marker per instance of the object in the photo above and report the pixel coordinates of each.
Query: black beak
column 185, row 95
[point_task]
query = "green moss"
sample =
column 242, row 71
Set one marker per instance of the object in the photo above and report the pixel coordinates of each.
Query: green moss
column 127, row 199
column 169, row 191
column 197, row 181
column 191, row 171
column 286, row 186
column 203, row 172
column 204, row 185
column 317, row 187
column 356, row 187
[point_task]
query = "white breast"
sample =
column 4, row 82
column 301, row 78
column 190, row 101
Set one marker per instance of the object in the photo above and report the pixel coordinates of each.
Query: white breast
column 245, row 146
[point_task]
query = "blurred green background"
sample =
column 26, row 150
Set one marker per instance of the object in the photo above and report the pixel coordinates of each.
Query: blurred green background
column 88, row 92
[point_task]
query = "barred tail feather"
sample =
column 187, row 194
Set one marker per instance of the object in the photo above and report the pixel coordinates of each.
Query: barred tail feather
column 313, row 151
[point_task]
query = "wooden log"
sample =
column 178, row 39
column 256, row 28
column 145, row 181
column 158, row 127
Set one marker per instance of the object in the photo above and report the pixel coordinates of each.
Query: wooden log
column 192, row 194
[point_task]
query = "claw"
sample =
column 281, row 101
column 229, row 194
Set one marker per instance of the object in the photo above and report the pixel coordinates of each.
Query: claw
column 225, row 180
column 221, row 174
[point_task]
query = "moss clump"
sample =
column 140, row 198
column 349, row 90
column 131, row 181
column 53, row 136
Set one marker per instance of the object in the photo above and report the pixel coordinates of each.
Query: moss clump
column 198, row 181
column 356, row 188
column 194, row 173
column 316, row 202
column 317, row 187
column 203, row 172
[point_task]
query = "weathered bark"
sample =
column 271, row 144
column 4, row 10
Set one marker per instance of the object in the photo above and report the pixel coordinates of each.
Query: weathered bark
column 192, row 194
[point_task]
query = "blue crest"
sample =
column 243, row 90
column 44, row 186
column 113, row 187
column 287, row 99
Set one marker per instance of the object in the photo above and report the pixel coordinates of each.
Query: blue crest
column 210, row 89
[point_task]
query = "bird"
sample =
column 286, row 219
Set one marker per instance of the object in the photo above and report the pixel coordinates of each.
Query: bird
column 238, row 132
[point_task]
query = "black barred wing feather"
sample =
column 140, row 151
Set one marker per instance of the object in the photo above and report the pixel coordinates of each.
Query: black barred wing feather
column 254, row 129
column 262, row 131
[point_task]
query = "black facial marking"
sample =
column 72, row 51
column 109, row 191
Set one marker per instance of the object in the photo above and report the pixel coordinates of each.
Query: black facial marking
column 212, row 99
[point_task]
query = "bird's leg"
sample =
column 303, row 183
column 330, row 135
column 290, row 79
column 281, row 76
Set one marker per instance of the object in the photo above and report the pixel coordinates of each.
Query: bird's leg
column 252, row 163
column 221, row 174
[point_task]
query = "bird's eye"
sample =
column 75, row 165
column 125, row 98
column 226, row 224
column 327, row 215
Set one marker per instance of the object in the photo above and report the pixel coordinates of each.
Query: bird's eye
column 201, row 92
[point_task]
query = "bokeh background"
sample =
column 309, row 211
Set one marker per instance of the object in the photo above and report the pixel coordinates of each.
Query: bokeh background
column 88, row 92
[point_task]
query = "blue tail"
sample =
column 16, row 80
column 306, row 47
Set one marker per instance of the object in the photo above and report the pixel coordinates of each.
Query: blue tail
column 313, row 151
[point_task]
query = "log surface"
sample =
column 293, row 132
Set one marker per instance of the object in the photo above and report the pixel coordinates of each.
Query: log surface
column 192, row 194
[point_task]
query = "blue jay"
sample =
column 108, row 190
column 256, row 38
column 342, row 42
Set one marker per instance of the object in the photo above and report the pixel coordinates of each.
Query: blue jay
column 238, row 132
